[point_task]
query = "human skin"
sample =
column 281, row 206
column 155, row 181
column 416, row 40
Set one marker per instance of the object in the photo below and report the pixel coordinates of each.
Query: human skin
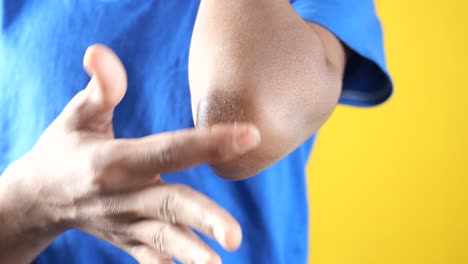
column 79, row 176
column 258, row 61
column 255, row 69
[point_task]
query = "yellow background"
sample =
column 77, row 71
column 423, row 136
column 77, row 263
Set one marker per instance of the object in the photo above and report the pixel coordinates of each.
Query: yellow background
column 389, row 184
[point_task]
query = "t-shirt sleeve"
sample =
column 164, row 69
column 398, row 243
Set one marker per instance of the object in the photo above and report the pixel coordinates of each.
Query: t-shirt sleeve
column 366, row 81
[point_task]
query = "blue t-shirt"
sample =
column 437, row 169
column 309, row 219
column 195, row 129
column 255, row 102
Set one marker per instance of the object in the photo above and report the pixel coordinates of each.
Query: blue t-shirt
column 41, row 49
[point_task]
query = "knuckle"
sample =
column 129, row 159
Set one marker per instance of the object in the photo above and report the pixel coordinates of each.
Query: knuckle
column 171, row 202
column 159, row 239
column 164, row 154
column 111, row 208
column 167, row 151
column 167, row 207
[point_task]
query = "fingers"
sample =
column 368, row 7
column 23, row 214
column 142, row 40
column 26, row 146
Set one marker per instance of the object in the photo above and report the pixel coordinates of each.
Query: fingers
column 130, row 164
column 180, row 204
column 92, row 108
column 161, row 217
column 179, row 150
column 173, row 240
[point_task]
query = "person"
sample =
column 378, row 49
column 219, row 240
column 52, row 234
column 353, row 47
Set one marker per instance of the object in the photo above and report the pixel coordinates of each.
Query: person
column 110, row 169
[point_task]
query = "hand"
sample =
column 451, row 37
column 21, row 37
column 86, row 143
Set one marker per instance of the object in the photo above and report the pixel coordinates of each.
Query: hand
column 84, row 178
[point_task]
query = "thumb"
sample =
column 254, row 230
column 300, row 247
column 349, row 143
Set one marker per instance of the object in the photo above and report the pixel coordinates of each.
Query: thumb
column 93, row 107
column 108, row 78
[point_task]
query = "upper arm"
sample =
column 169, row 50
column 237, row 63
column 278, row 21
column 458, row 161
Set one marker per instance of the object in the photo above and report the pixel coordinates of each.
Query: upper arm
column 366, row 80
column 336, row 53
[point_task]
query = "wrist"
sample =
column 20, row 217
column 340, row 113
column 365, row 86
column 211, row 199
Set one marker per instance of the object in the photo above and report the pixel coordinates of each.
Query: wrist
column 22, row 205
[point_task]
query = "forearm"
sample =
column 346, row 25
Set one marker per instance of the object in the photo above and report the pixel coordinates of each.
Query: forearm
column 258, row 61
column 25, row 231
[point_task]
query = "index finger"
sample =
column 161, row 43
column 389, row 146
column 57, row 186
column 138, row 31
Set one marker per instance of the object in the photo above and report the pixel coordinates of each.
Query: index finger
column 174, row 151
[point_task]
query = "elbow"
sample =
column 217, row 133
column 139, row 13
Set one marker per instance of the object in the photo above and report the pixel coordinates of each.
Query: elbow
column 283, row 125
column 287, row 102
column 225, row 107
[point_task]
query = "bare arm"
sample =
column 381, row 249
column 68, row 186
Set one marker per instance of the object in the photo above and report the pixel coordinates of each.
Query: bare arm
column 258, row 61
column 25, row 226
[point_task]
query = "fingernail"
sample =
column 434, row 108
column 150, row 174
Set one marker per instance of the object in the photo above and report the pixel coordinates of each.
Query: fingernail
column 246, row 139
